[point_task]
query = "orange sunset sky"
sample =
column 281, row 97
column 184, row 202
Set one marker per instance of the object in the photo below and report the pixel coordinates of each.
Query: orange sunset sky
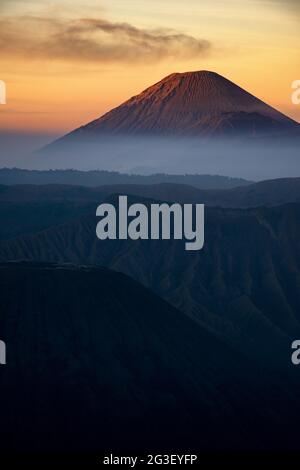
column 67, row 62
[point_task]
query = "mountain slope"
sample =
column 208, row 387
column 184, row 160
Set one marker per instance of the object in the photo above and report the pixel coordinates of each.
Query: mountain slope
column 33, row 208
column 244, row 285
column 97, row 362
column 191, row 104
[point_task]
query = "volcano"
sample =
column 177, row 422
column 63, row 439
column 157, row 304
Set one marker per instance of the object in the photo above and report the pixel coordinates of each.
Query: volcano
column 189, row 104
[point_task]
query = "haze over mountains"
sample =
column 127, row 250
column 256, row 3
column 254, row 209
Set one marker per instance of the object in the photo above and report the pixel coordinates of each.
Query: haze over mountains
column 195, row 122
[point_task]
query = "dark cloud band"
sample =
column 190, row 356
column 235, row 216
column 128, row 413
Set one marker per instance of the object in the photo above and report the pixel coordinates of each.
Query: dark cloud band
column 97, row 40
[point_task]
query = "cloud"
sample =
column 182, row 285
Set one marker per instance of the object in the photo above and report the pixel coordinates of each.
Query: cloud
column 94, row 40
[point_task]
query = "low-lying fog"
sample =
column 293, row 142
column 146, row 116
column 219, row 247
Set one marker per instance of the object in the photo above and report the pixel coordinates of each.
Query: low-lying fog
column 250, row 159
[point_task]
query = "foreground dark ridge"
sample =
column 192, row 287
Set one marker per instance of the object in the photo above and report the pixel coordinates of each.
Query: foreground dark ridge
column 98, row 362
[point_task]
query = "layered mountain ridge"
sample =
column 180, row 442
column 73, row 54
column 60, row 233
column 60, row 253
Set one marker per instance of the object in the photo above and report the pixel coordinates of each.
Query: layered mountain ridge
column 97, row 361
column 253, row 269
column 161, row 342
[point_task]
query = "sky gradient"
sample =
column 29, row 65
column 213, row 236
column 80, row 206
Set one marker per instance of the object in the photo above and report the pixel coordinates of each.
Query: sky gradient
column 66, row 63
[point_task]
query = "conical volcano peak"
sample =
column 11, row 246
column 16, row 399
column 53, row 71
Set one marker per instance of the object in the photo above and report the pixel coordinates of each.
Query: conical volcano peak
column 202, row 79
column 196, row 75
column 200, row 103
column 203, row 93
column 185, row 84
